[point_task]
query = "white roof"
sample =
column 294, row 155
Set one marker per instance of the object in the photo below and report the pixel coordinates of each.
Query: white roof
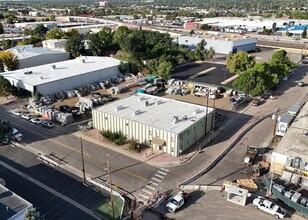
column 27, row 51
column 156, row 115
column 294, row 143
column 65, row 69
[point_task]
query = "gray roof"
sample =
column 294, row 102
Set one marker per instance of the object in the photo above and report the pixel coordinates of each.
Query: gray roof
column 159, row 112
column 295, row 143
column 11, row 204
column 64, row 69
column 286, row 118
column 294, row 108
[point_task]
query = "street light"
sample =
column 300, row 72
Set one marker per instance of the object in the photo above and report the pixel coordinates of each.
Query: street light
column 225, row 73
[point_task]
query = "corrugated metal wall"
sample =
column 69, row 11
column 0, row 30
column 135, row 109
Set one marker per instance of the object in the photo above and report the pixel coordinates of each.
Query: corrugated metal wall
column 174, row 143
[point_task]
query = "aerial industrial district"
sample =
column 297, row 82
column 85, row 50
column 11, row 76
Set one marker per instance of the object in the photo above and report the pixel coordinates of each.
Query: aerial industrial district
column 149, row 115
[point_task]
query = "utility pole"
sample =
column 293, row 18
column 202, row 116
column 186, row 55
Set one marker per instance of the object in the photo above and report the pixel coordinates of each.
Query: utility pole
column 207, row 106
column 110, row 185
column 276, row 119
column 82, row 159
column 213, row 115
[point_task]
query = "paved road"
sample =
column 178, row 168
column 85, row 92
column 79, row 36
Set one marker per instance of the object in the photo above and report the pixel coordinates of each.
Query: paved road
column 230, row 167
column 48, row 203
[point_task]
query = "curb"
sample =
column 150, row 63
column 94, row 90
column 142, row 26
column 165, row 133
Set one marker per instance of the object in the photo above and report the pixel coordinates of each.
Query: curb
column 224, row 152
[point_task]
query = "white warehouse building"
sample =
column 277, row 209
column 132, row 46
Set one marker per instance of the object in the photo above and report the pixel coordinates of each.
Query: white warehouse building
column 221, row 43
column 167, row 125
column 53, row 78
column 30, row 56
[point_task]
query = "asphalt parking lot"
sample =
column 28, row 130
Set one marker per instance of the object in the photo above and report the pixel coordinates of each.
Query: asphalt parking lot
column 48, row 204
column 213, row 205
column 212, row 73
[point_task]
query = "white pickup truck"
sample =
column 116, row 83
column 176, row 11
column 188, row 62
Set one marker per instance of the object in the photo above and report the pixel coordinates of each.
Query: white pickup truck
column 16, row 135
column 177, row 201
column 269, row 207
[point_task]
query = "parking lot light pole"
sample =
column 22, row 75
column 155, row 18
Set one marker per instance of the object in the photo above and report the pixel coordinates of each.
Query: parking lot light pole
column 82, row 159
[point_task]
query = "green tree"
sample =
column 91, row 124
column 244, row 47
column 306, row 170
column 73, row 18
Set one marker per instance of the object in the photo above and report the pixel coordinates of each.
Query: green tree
column 33, row 215
column 75, row 45
column 52, row 18
column 101, row 43
column 6, row 44
column 281, row 64
column 240, row 62
column 304, row 34
column 124, row 67
column 164, row 69
column 205, row 27
column 120, row 34
column 201, row 45
column 5, row 131
column 5, row 87
column 9, row 60
column 39, row 31
column 1, row 28
column 55, row 33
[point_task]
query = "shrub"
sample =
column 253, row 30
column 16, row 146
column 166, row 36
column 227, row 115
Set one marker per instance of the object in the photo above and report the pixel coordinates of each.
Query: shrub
column 120, row 140
column 116, row 138
column 134, row 146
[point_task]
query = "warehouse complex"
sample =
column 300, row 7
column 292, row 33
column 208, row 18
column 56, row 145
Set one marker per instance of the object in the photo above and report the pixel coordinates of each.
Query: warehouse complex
column 12, row 206
column 293, row 145
column 30, row 56
column 52, row 78
column 221, row 43
column 167, row 125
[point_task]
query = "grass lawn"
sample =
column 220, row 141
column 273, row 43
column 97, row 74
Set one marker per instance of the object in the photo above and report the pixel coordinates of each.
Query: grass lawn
column 106, row 209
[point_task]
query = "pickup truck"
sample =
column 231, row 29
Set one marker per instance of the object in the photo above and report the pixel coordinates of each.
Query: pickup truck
column 269, row 207
column 177, row 201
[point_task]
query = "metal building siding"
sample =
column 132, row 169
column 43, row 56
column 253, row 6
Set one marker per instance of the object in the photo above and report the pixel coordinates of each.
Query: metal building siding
column 134, row 130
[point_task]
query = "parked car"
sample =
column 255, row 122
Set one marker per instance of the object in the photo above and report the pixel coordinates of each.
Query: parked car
column 96, row 94
column 177, row 201
column 256, row 102
column 36, row 121
column 64, row 108
column 300, row 84
column 17, row 112
column 16, row 135
column 26, row 116
column 47, row 124
column 269, row 207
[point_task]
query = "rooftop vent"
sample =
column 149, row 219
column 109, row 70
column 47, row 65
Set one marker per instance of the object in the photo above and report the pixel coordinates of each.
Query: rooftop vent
column 83, row 60
column 141, row 99
column 184, row 117
column 118, row 107
column 146, row 103
column 226, row 39
column 53, row 66
column 28, row 72
column 137, row 112
column 157, row 102
column 174, row 119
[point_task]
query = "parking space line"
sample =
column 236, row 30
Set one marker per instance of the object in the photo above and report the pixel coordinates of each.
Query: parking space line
column 153, row 178
column 155, row 184
column 144, row 196
column 159, row 176
column 146, row 191
column 150, row 187
column 164, row 169
column 161, row 172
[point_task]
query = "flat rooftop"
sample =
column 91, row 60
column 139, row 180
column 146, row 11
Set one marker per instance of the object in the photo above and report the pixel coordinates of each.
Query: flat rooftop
column 27, row 51
column 11, row 204
column 159, row 113
column 65, row 69
column 295, row 142
column 214, row 35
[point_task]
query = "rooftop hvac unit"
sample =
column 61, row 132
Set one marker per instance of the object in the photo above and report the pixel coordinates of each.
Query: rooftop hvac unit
column 232, row 35
column 28, row 72
column 157, row 102
column 83, row 60
column 213, row 38
column 141, row 99
column 226, row 39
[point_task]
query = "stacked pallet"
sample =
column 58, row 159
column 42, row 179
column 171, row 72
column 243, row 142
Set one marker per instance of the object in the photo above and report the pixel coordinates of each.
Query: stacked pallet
column 248, row 184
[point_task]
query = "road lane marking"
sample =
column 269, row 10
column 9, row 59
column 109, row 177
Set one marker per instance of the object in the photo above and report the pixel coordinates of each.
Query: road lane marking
column 157, row 180
column 164, row 169
column 161, row 172
column 150, row 187
column 155, row 184
column 146, row 191
column 144, row 196
column 73, row 149
column 159, row 176
column 47, row 188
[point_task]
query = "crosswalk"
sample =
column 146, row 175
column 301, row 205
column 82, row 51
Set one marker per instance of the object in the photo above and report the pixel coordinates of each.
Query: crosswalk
column 152, row 187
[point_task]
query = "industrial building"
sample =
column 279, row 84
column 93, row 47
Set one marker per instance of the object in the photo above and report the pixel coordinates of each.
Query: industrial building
column 12, row 206
column 31, row 25
column 296, row 30
column 292, row 146
column 53, row 78
column 222, row 43
column 55, row 44
column 166, row 125
column 30, row 56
